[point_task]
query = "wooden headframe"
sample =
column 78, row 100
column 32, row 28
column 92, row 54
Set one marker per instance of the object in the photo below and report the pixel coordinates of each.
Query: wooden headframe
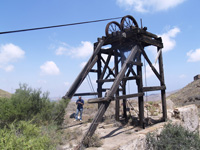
column 132, row 41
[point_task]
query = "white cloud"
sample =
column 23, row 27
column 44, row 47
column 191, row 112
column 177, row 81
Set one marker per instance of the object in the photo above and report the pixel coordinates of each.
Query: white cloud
column 84, row 50
column 182, row 76
column 66, row 83
column 49, row 68
column 10, row 53
column 194, row 55
column 167, row 38
column 168, row 41
column 9, row 68
column 148, row 5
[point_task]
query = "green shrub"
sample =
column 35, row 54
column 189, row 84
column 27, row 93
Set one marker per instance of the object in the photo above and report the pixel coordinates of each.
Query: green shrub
column 31, row 104
column 173, row 137
column 24, row 136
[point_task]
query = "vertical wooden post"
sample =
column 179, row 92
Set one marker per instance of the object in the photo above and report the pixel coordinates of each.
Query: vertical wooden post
column 123, row 87
column 117, row 106
column 162, row 83
column 140, row 90
column 99, row 84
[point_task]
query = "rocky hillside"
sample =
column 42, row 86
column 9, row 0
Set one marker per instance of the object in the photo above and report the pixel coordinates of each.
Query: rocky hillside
column 190, row 94
column 4, row 94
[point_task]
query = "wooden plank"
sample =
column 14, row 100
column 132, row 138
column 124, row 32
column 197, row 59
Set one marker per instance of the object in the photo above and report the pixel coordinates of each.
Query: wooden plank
column 130, row 96
column 131, row 78
column 117, row 104
column 85, row 94
column 94, row 70
column 105, row 80
column 154, row 88
column 140, row 90
column 162, row 83
column 150, row 41
column 135, row 63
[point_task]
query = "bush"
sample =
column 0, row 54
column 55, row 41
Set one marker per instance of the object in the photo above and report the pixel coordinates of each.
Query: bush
column 173, row 137
column 23, row 136
column 31, row 104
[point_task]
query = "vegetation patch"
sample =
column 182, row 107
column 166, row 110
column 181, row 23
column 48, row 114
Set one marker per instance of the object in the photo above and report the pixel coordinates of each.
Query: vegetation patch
column 29, row 120
column 173, row 137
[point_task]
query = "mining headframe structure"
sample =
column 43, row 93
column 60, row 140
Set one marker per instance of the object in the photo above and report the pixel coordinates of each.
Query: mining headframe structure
column 126, row 42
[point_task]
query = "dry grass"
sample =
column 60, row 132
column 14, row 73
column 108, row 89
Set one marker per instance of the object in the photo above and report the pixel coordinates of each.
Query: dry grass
column 5, row 94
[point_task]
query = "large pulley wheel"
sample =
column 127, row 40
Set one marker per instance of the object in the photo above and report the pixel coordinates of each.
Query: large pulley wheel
column 112, row 27
column 128, row 22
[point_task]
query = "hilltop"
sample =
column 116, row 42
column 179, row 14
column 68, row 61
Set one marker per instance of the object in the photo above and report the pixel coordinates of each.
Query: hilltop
column 5, row 94
column 190, row 94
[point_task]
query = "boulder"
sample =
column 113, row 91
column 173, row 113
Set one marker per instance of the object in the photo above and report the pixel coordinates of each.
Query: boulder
column 187, row 116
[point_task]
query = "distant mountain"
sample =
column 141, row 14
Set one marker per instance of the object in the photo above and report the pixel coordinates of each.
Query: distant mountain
column 5, row 94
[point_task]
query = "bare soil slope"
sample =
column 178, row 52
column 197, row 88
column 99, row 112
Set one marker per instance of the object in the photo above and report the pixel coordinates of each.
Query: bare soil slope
column 190, row 94
column 4, row 94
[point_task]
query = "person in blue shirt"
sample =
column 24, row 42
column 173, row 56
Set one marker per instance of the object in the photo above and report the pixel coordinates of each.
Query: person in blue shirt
column 79, row 103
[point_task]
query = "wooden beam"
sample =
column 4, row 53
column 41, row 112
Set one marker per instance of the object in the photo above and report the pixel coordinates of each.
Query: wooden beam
column 94, row 70
column 135, row 63
column 105, row 80
column 130, row 96
column 154, row 88
column 85, row 94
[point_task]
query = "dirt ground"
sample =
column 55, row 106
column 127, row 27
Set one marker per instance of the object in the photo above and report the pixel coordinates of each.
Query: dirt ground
column 110, row 133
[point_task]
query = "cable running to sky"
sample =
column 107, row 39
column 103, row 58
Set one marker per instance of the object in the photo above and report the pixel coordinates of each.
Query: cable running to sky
column 56, row 26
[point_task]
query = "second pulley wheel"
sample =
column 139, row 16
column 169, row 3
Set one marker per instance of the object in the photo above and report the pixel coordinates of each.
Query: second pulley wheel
column 128, row 22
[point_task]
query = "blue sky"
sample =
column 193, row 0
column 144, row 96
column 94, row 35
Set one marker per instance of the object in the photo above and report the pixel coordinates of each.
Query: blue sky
column 51, row 59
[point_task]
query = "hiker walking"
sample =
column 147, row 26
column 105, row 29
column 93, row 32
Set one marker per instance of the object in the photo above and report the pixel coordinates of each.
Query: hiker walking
column 79, row 103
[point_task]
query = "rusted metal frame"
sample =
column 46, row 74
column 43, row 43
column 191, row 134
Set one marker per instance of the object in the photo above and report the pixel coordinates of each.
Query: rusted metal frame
column 85, row 94
column 93, row 59
column 140, row 90
column 117, row 104
column 150, row 64
column 162, row 83
column 154, row 88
